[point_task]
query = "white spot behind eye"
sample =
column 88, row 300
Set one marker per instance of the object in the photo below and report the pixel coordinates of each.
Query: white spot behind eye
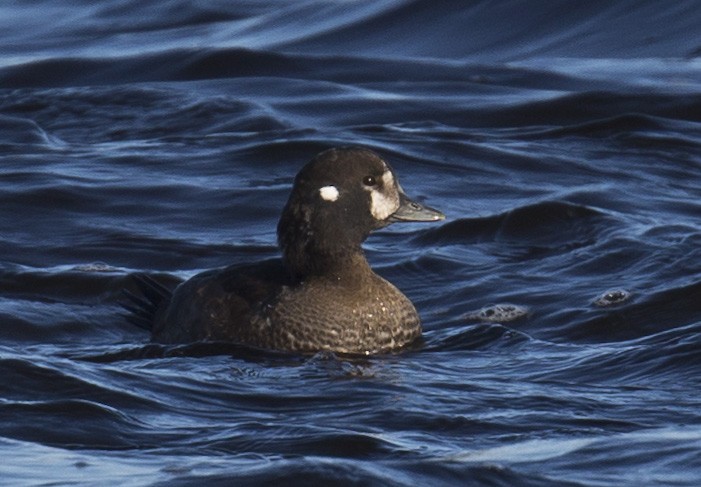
column 329, row 193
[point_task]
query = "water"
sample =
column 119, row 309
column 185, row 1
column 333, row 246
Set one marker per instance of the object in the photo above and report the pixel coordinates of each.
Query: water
column 562, row 141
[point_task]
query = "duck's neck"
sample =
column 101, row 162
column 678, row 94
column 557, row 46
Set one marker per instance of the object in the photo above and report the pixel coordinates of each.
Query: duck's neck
column 346, row 266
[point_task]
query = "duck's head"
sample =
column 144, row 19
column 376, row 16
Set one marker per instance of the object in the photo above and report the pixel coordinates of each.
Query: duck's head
column 337, row 199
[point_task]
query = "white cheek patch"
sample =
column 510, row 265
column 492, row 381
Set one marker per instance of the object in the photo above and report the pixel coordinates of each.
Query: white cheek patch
column 384, row 203
column 329, row 193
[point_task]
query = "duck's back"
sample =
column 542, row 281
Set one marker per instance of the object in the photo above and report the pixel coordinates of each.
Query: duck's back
column 221, row 304
column 261, row 306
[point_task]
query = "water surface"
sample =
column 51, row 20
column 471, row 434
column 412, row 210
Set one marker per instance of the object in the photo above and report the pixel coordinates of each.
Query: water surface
column 561, row 140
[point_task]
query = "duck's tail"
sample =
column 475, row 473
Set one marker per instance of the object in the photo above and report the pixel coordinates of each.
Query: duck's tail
column 141, row 307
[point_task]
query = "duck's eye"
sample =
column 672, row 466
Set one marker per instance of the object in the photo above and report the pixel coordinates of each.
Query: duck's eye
column 369, row 181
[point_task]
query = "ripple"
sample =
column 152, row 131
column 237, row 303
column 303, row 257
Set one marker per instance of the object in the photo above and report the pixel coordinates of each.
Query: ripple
column 499, row 313
column 612, row 297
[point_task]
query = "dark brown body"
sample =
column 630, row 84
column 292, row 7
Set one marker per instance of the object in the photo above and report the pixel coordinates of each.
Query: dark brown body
column 361, row 313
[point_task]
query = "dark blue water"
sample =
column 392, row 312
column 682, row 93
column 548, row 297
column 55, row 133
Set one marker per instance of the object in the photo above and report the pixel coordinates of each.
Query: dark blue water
column 561, row 139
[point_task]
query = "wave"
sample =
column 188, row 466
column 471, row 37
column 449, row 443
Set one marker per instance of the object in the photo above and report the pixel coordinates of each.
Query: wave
column 555, row 222
column 515, row 29
column 561, row 141
column 661, row 356
column 505, row 30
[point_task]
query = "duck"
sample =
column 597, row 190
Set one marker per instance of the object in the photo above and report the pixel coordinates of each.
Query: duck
column 321, row 294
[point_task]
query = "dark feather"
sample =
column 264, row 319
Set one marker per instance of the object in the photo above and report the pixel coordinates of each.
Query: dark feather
column 141, row 307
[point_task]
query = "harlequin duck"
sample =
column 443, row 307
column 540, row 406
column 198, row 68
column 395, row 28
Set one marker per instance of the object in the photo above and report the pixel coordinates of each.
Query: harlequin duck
column 322, row 294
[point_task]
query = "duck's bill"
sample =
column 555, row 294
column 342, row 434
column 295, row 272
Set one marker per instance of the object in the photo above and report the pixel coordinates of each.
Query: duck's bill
column 411, row 211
